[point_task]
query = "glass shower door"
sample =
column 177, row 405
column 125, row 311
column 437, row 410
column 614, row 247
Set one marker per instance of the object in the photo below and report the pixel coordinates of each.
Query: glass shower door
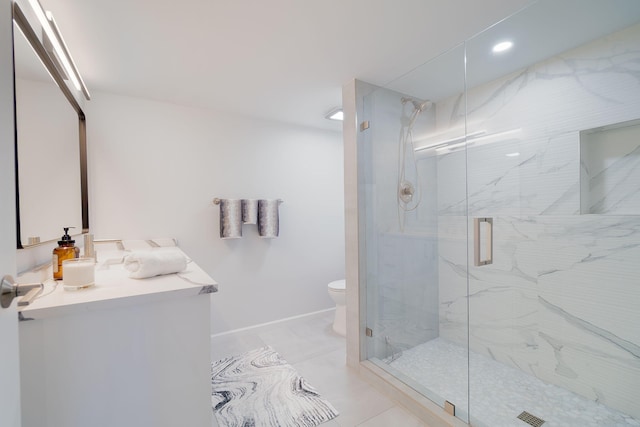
column 415, row 229
column 553, row 159
column 500, row 220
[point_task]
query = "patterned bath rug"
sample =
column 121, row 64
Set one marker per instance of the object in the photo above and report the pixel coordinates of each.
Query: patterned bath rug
column 260, row 389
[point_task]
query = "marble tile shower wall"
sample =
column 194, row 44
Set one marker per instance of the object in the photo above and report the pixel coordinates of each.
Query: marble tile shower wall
column 561, row 299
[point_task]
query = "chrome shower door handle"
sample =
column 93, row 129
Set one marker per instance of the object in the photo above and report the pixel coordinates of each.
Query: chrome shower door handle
column 481, row 257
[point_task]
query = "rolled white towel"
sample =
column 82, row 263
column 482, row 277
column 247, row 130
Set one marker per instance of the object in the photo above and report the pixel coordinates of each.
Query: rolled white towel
column 149, row 263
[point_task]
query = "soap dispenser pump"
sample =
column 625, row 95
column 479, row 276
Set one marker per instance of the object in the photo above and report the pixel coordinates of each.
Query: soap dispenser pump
column 66, row 250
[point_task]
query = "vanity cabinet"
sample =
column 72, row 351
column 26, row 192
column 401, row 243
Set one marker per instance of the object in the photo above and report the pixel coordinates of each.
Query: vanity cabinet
column 124, row 353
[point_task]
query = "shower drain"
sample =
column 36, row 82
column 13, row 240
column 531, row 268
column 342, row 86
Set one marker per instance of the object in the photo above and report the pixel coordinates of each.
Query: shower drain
column 531, row 419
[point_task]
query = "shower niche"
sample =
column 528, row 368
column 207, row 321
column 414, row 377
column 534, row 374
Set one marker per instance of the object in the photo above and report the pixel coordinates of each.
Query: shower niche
column 610, row 169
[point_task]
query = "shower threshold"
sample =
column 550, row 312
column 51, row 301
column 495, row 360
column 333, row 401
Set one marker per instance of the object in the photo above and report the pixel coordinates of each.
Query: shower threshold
column 439, row 370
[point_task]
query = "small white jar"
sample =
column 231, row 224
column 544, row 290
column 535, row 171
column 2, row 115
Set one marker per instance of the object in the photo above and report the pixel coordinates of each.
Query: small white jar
column 78, row 273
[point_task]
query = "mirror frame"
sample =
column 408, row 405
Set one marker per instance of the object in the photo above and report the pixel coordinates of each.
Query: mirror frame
column 21, row 21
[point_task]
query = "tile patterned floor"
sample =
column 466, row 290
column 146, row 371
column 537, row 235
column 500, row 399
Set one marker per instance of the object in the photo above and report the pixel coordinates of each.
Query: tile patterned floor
column 318, row 354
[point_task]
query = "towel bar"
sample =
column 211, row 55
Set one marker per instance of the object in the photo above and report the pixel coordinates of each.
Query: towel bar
column 216, row 201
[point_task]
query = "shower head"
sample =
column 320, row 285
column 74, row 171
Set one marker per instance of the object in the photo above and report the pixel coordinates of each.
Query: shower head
column 425, row 105
column 419, row 105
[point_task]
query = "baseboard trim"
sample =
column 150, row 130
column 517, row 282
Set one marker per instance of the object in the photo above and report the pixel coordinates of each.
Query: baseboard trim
column 273, row 322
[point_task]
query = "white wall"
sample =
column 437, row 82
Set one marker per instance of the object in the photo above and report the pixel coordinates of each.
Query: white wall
column 154, row 169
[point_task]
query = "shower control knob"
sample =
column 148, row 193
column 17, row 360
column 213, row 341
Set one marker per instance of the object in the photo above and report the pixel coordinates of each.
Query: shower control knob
column 406, row 191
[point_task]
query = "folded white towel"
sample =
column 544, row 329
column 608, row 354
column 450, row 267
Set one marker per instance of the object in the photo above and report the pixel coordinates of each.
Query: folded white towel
column 149, row 263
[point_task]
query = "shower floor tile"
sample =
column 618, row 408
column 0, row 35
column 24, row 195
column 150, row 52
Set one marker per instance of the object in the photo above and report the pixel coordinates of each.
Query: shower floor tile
column 499, row 393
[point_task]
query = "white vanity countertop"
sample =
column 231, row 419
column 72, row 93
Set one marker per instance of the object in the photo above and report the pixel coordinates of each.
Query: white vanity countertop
column 114, row 288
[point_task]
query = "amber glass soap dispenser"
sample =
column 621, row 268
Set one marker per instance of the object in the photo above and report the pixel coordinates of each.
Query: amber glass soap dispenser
column 66, row 250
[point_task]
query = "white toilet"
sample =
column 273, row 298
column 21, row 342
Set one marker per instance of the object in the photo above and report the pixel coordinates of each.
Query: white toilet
column 337, row 292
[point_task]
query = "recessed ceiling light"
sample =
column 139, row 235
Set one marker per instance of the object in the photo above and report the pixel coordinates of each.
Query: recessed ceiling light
column 335, row 114
column 516, row 154
column 502, row 46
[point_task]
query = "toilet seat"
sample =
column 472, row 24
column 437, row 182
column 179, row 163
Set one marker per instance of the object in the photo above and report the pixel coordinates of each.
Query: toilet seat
column 338, row 285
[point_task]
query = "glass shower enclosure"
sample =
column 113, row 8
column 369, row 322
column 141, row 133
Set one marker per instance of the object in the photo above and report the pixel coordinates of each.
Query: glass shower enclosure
column 500, row 221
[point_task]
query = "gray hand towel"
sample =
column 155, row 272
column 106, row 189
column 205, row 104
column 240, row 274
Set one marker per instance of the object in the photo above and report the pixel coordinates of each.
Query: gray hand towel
column 249, row 211
column 230, row 218
column 268, row 218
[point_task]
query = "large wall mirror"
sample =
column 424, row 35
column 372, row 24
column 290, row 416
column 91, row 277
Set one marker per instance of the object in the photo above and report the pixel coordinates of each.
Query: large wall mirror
column 51, row 185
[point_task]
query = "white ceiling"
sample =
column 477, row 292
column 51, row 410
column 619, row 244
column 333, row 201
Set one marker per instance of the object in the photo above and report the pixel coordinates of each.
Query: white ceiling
column 545, row 29
column 283, row 60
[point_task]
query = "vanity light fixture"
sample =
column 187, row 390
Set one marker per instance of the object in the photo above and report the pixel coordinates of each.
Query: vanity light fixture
column 502, row 46
column 335, row 114
column 60, row 50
